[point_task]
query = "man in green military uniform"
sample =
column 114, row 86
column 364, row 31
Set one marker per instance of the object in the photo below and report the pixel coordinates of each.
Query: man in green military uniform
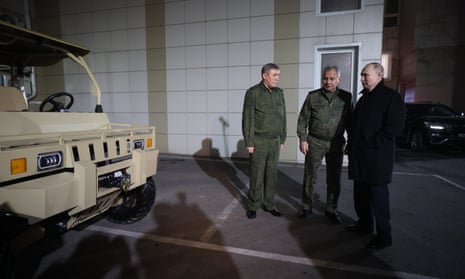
column 264, row 130
column 324, row 117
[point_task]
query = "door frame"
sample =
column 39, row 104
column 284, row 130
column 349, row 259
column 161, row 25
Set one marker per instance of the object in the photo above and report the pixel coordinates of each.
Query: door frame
column 353, row 49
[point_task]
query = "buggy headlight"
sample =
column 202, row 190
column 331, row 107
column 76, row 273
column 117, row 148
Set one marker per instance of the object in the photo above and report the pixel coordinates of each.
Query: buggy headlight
column 139, row 144
column 50, row 160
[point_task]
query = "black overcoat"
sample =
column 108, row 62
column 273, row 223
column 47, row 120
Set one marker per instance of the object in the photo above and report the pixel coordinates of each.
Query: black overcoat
column 378, row 118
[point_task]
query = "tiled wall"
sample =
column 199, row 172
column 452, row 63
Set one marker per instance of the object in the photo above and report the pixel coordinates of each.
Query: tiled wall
column 184, row 66
column 115, row 31
column 287, row 16
column 440, row 41
column 214, row 51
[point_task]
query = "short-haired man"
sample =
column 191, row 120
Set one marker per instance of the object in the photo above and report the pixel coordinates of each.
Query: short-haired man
column 323, row 119
column 264, row 131
column 378, row 118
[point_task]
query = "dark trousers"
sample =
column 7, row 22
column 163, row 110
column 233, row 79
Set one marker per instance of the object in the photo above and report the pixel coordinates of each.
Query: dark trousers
column 372, row 202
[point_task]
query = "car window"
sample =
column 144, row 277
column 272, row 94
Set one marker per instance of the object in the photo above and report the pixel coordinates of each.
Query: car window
column 429, row 109
column 418, row 109
column 441, row 110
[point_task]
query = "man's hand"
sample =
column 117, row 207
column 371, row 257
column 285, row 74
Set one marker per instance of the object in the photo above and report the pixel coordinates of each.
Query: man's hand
column 250, row 149
column 304, row 147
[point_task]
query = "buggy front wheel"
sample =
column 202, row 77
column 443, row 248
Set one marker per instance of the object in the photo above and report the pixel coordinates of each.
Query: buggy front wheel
column 136, row 204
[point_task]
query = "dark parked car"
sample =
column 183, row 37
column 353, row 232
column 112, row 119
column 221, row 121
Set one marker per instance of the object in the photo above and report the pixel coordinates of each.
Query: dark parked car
column 428, row 124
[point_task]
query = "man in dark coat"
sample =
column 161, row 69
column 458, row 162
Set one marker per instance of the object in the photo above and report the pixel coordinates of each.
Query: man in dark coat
column 378, row 118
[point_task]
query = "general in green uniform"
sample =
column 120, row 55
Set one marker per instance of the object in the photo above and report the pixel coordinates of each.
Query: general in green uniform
column 264, row 130
column 323, row 119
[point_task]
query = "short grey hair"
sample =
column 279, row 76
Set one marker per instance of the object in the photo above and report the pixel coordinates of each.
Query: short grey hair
column 268, row 67
column 332, row 67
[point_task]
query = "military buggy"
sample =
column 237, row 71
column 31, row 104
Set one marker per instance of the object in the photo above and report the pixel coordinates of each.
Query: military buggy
column 59, row 169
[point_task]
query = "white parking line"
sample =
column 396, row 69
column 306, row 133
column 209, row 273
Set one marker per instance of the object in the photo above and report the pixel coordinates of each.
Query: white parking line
column 259, row 254
column 450, row 182
column 316, row 263
column 213, row 228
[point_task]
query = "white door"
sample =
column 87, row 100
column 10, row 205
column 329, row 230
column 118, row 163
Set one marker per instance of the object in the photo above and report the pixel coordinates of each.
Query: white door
column 346, row 58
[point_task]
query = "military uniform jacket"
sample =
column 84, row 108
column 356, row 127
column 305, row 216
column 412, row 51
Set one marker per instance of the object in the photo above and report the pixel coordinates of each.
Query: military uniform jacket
column 378, row 118
column 325, row 118
column 264, row 114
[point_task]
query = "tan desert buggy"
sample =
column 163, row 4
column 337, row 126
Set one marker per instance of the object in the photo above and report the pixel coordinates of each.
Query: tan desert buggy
column 58, row 168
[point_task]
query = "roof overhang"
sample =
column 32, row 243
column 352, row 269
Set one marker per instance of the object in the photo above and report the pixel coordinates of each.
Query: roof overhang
column 22, row 47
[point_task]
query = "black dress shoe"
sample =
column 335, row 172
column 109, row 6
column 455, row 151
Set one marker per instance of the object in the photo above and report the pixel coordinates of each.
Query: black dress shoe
column 251, row 214
column 356, row 227
column 273, row 212
column 305, row 213
column 379, row 244
column 333, row 216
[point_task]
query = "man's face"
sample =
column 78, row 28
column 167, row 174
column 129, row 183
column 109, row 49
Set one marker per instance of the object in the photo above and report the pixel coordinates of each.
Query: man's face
column 271, row 78
column 370, row 77
column 330, row 80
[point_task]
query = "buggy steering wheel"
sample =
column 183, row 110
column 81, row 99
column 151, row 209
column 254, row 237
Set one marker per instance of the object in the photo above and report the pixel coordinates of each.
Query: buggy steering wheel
column 57, row 106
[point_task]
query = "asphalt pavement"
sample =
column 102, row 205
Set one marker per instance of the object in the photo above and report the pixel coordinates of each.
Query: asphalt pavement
column 198, row 228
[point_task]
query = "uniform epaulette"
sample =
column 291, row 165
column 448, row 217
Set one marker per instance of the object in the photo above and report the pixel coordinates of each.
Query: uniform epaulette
column 315, row 91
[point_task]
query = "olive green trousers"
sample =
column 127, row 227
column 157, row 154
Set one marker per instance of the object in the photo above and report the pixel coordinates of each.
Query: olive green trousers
column 263, row 173
column 332, row 151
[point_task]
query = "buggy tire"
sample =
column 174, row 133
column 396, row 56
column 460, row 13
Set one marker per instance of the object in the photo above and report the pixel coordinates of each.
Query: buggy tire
column 136, row 204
